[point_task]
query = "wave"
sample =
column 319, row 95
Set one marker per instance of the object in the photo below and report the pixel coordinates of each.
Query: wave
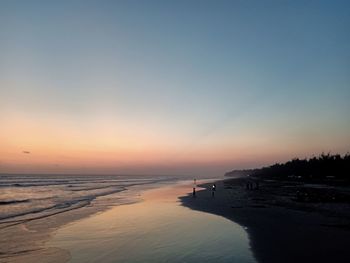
column 9, row 202
column 25, row 198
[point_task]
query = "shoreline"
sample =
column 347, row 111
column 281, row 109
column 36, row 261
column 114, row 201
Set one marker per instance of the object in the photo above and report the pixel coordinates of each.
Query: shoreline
column 280, row 230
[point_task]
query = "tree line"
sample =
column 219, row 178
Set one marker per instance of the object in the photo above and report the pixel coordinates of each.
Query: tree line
column 324, row 166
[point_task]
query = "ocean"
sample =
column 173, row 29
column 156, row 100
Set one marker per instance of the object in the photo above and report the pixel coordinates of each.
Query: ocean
column 28, row 197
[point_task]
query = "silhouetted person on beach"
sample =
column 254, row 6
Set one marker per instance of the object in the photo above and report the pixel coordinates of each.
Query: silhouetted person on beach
column 249, row 186
column 194, row 188
column 213, row 189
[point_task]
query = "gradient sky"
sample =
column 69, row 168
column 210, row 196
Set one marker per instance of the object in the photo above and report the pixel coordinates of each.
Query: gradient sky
column 174, row 87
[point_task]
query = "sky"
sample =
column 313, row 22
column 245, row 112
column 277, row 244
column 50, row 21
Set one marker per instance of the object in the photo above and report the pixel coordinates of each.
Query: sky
column 171, row 87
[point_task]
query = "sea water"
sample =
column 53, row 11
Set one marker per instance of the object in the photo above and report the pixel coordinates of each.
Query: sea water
column 29, row 197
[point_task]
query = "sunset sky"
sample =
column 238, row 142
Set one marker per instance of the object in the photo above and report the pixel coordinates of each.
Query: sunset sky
column 171, row 87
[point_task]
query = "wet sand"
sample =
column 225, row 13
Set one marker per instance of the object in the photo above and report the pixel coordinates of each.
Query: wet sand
column 158, row 229
column 280, row 229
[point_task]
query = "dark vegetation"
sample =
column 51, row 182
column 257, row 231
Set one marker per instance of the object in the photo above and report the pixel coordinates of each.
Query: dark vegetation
column 321, row 179
column 325, row 167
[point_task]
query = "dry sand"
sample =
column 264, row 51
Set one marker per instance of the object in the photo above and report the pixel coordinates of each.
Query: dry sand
column 280, row 229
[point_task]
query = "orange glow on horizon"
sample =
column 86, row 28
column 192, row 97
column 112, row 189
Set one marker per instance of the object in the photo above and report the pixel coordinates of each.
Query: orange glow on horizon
column 58, row 145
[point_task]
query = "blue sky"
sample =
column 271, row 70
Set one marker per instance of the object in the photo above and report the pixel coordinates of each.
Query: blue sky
column 234, row 83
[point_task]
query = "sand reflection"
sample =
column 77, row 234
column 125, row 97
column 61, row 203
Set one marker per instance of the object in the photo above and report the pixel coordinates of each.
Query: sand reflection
column 158, row 229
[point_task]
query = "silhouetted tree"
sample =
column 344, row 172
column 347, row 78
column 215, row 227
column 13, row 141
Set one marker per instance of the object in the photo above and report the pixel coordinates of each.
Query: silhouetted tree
column 325, row 166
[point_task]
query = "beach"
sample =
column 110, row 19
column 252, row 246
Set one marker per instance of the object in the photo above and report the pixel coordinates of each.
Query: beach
column 157, row 229
column 163, row 222
column 154, row 227
column 279, row 228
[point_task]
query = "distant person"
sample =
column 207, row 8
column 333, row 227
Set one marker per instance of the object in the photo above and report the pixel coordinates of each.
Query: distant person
column 213, row 189
column 249, row 185
column 194, row 187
